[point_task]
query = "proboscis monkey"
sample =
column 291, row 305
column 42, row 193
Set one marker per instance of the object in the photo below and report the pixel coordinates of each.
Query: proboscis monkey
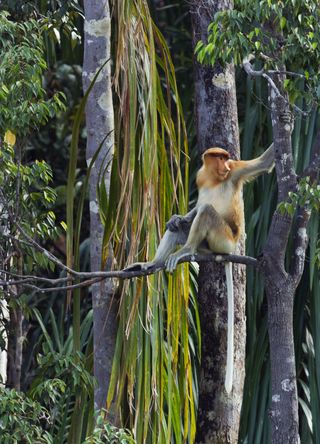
column 216, row 221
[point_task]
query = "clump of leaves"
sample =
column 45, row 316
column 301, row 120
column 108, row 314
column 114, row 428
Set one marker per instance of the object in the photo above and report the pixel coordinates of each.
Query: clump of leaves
column 105, row 433
column 69, row 368
column 26, row 197
column 282, row 33
column 60, row 377
column 23, row 102
column 307, row 195
column 22, row 420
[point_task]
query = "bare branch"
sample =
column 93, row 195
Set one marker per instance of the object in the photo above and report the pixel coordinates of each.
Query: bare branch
column 286, row 73
column 94, row 277
column 35, row 278
column 26, row 284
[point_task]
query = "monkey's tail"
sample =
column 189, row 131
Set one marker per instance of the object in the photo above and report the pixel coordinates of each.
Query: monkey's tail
column 229, row 369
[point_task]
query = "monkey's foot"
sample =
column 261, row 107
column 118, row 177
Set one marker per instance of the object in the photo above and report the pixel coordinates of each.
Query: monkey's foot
column 143, row 266
column 173, row 259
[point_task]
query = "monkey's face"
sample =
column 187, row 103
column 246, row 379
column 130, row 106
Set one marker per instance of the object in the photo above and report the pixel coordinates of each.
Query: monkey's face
column 216, row 160
column 218, row 165
column 222, row 167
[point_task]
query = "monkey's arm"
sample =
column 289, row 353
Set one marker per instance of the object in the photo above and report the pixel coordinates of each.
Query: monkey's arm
column 249, row 169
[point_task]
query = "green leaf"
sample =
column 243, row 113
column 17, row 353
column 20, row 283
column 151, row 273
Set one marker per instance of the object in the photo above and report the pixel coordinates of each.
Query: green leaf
column 283, row 22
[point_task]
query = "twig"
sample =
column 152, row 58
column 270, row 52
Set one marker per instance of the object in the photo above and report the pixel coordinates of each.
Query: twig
column 35, row 278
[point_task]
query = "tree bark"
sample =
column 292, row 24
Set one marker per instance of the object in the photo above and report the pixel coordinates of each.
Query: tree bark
column 15, row 342
column 217, row 125
column 99, row 122
column 280, row 290
column 4, row 319
column 281, row 285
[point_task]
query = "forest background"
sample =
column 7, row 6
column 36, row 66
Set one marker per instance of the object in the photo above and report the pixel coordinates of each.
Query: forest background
column 50, row 346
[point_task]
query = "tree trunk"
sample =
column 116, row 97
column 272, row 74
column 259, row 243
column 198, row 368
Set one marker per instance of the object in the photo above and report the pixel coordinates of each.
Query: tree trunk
column 281, row 285
column 217, row 125
column 99, row 122
column 15, row 342
column 4, row 318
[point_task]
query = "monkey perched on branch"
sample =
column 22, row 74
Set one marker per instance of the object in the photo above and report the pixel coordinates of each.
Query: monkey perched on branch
column 215, row 224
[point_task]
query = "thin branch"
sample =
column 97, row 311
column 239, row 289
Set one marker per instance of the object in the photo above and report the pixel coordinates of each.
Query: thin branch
column 35, row 278
column 288, row 73
column 95, row 277
column 26, row 284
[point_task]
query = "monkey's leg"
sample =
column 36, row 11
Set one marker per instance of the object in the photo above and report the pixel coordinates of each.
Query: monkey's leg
column 209, row 225
column 167, row 245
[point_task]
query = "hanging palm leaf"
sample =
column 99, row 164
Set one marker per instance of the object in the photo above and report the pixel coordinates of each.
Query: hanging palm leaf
column 153, row 376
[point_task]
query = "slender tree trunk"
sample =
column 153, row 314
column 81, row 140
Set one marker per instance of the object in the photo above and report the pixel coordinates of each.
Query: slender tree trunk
column 99, row 122
column 217, row 125
column 15, row 342
column 281, row 285
column 4, row 318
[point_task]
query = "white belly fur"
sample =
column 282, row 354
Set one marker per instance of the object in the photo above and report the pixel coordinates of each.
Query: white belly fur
column 220, row 197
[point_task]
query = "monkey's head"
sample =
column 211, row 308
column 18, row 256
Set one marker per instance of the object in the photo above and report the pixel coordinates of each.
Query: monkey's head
column 216, row 160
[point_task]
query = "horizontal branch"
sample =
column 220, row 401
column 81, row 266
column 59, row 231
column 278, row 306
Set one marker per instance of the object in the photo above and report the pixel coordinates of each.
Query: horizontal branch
column 95, row 277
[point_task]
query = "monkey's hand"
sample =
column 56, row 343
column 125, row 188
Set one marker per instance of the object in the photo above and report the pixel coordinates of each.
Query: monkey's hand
column 173, row 259
column 178, row 222
column 174, row 223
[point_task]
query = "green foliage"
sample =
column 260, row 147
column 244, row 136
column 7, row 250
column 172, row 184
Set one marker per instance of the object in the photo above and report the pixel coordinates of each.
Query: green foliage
column 62, row 381
column 69, row 368
column 282, row 33
column 23, row 103
column 22, row 420
column 27, row 197
column 105, row 433
column 307, row 195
